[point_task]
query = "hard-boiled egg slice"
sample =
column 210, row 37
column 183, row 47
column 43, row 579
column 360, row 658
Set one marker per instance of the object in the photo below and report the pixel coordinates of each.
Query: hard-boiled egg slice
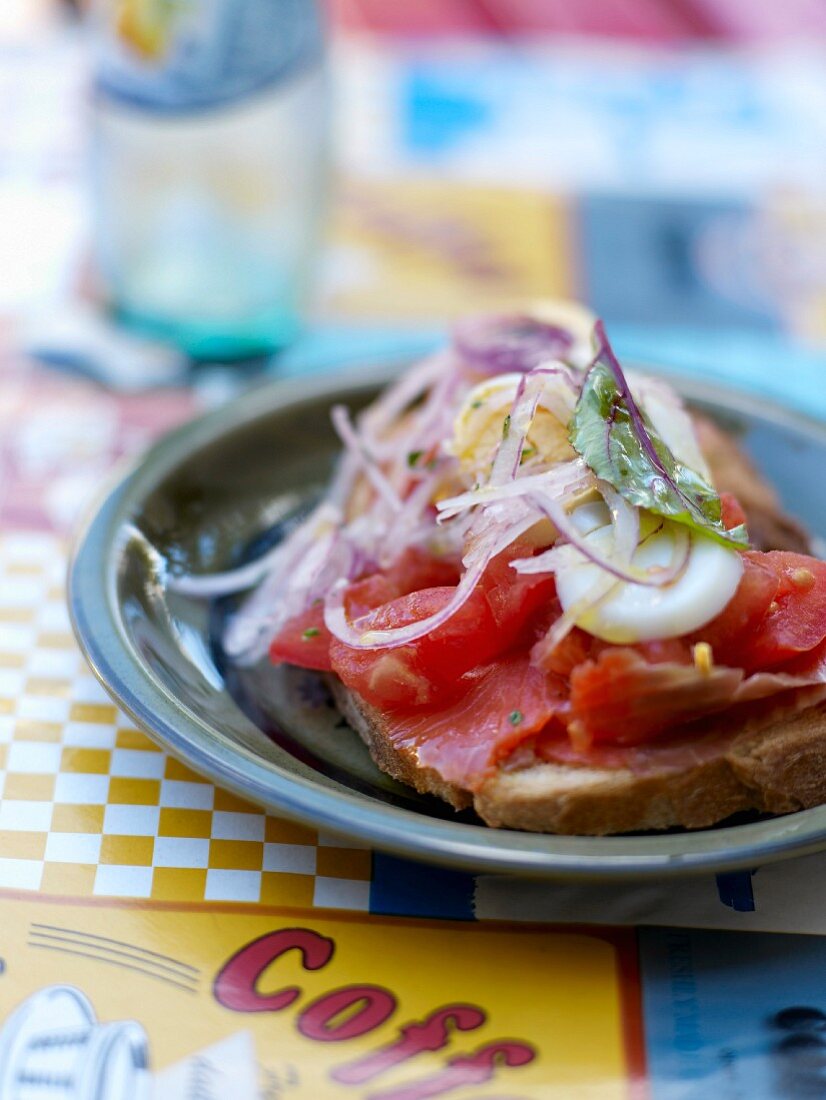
column 480, row 423
column 631, row 612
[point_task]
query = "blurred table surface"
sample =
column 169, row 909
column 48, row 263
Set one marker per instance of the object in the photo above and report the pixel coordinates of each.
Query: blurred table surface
column 678, row 189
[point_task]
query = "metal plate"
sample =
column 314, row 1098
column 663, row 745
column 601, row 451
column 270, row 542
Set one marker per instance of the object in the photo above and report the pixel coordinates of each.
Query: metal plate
column 214, row 492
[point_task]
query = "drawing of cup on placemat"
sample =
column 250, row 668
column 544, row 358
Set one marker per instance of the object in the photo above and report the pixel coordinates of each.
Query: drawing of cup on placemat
column 53, row 1048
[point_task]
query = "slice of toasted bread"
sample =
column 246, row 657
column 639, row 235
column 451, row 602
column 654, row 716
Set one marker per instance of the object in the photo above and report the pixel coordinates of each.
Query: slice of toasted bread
column 775, row 763
column 770, row 759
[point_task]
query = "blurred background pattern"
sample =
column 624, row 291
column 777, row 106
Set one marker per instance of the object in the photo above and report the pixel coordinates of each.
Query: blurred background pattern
column 663, row 160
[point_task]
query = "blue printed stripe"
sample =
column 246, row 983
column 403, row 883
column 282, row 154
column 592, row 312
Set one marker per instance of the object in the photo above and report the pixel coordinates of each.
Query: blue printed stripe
column 402, row 888
column 736, row 891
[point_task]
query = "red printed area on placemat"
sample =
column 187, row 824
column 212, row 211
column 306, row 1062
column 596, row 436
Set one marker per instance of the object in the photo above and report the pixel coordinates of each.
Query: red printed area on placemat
column 61, row 436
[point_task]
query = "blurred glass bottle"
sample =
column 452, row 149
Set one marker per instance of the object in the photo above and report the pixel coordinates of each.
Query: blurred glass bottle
column 210, row 143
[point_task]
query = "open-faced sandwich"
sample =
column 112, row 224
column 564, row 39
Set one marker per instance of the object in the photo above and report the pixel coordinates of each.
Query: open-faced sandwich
column 541, row 588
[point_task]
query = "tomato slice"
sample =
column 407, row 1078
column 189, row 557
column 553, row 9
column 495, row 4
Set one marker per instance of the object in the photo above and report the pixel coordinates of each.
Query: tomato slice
column 517, row 600
column 733, row 514
column 305, row 641
column 428, row 669
column 777, row 612
column 500, row 613
column 416, row 569
column 794, row 620
column 745, row 611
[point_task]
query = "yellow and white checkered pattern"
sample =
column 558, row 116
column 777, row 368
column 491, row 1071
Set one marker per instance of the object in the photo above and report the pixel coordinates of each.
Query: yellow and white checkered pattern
column 90, row 806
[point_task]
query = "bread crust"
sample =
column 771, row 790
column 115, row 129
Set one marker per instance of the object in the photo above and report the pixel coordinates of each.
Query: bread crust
column 400, row 764
column 773, row 764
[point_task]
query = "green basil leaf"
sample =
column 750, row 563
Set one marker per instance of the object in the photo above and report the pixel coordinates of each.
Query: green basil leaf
column 621, row 446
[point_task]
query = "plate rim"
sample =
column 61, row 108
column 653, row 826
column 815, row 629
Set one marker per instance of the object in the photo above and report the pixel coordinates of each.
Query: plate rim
column 94, row 613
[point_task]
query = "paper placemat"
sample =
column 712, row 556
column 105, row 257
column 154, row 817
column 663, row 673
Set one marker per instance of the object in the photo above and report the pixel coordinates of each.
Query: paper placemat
column 90, row 806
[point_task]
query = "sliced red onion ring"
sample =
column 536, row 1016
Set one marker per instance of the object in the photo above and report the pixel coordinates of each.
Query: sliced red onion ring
column 410, row 386
column 411, row 515
column 562, row 627
column 210, row 586
column 335, row 614
column 344, row 479
column 426, row 428
column 517, row 425
column 626, row 522
column 532, row 389
column 370, row 467
column 566, row 478
column 310, row 563
column 508, row 519
column 291, row 566
column 618, row 566
column 625, row 519
column 504, row 343
column 250, row 631
column 275, row 560
column 762, row 684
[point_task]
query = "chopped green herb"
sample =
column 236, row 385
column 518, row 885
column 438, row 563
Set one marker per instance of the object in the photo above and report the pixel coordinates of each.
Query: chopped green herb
column 506, row 427
column 413, row 457
column 476, row 404
column 527, row 452
column 310, row 632
column 515, row 717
